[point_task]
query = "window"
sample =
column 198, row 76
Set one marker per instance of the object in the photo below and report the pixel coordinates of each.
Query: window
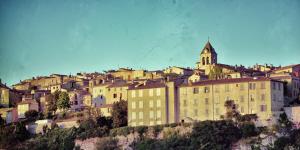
column 133, row 105
column 158, row 114
column 151, row 114
column 195, row 112
column 206, row 112
column 251, row 98
column 227, row 98
column 217, row 100
column 252, row 86
column 206, row 89
column 158, row 92
column 196, row 90
column 151, row 92
column 279, row 86
column 274, row 97
column 274, row 85
column 133, row 93
column 151, row 103
column 195, row 101
column 140, row 104
column 263, row 108
column 217, row 111
column 227, row 88
column 203, row 60
column 185, row 113
column 115, row 95
column 184, row 103
column 262, row 97
column 206, row 101
column 241, row 86
column 151, row 123
column 263, row 85
column 217, row 90
column 141, row 115
column 133, row 115
column 158, row 122
column 207, row 60
column 242, row 109
column 133, row 123
column 140, row 93
column 75, row 102
column 158, row 103
column 241, row 98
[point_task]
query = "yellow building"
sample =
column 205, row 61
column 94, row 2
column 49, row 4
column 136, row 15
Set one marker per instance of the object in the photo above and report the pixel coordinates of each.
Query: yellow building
column 178, row 70
column 26, row 105
column 205, row 100
column 106, row 94
column 291, row 76
column 8, row 97
column 152, row 103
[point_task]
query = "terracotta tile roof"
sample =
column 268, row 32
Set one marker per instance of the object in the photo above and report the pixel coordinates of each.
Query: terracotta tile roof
column 27, row 102
column 119, row 84
column 224, row 81
column 148, row 85
column 286, row 67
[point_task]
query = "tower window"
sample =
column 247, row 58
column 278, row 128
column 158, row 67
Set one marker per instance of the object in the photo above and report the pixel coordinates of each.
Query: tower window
column 203, row 60
column 207, row 60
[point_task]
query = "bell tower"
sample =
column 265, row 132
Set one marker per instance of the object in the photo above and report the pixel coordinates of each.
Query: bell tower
column 208, row 57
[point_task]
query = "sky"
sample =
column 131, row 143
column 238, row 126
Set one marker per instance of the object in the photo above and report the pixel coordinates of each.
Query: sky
column 41, row 37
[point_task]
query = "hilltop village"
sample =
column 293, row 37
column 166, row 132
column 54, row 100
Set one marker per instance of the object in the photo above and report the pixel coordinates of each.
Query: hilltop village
column 171, row 95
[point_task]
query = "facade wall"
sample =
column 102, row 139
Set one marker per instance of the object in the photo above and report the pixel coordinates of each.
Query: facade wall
column 4, row 97
column 206, row 102
column 147, row 106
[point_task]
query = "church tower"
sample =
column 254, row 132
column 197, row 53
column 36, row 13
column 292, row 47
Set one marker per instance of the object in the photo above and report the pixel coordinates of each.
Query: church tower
column 208, row 57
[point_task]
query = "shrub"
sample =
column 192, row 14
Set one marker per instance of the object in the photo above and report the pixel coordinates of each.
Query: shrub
column 31, row 115
column 121, row 131
column 248, row 130
column 56, row 138
column 107, row 143
column 119, row 114
column 12, row 134
column 214, row 134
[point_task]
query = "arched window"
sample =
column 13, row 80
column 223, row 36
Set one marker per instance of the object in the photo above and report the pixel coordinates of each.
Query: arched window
column 207, row 60
column 203, row 60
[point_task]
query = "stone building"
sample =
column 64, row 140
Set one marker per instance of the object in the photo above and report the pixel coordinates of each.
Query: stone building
column 205, row 100
column 153, row 103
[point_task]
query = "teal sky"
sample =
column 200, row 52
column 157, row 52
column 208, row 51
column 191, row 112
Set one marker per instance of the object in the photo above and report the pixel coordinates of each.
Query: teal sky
column 40, row 37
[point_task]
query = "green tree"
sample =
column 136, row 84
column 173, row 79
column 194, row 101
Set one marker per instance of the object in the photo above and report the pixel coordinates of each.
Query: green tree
column 31, row 115
column 119, row 114
column 231, row 110
column 2, row 121
column 63, row 101
column 215, row 73
column 285, row 125
column 214, row 135
column 51, row 100
column 107, row 143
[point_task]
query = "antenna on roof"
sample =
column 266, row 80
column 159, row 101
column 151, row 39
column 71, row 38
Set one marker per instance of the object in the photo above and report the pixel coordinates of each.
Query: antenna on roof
column 208, row 38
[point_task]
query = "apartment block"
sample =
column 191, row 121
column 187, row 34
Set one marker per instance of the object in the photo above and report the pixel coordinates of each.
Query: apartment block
column 205, row 100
